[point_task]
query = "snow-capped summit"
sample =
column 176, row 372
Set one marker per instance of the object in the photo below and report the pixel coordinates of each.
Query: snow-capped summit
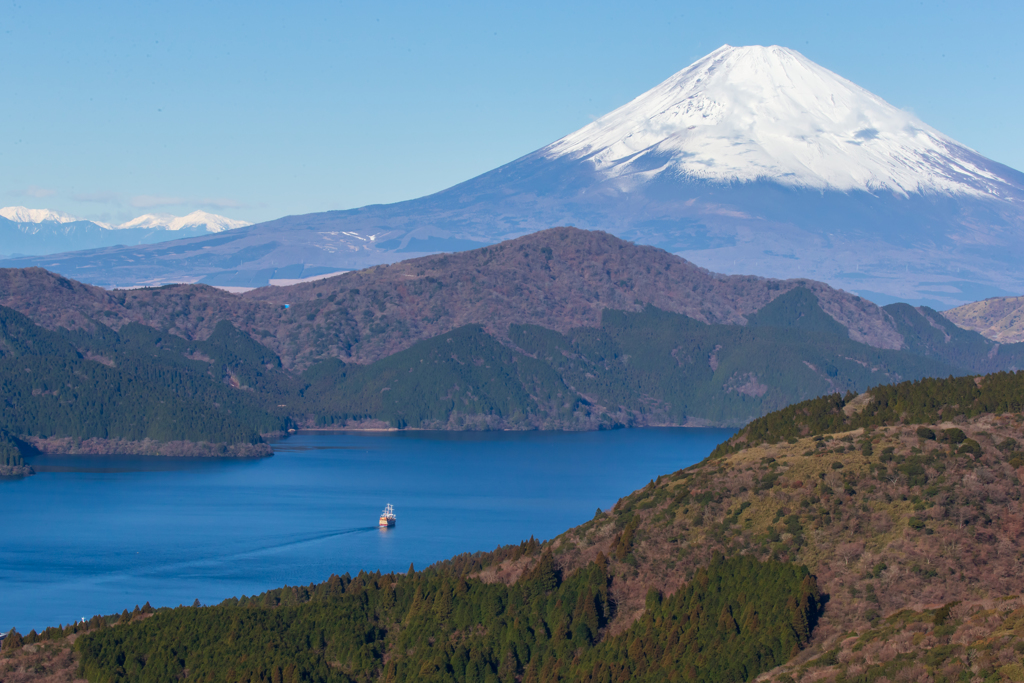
column 196, row 219
column 21, row 214
column 42, row 231
column 769, row 113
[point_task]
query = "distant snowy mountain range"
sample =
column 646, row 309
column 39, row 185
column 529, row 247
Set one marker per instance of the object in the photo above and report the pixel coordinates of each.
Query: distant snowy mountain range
column 197, row 219
column 21, row 214
column 25, row 231
column 752, row 160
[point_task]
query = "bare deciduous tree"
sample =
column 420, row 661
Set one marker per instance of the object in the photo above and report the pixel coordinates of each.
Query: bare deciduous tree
column 850, row 551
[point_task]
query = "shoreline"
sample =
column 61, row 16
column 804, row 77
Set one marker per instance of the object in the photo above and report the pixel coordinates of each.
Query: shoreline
column 169, row 449
column 460, row 431
column 15, row 471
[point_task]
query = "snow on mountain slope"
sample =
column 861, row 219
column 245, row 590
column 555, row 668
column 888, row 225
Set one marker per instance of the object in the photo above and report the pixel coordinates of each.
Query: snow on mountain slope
column 148, row 220
column 21, row 214
column 196, row 219
column 769, row 113
column 36, row 232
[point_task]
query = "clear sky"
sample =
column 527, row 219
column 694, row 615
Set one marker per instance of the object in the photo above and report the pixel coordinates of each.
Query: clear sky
column 261, row 109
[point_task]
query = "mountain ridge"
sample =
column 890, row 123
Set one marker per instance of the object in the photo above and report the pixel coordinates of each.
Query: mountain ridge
column 197, row 219
column 21, row 214
column 559, row 278
column 41, row 232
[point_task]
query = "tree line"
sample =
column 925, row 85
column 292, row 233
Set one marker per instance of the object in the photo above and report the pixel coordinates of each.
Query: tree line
column 925, row 401
column 736, row 618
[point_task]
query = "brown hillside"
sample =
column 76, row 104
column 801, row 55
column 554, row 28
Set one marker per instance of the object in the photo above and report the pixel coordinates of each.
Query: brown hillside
column 1000, row 319
column 912, row 527
column 559, row 279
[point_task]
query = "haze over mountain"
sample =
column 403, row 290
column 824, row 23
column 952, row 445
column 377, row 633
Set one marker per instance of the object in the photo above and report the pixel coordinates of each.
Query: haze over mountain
column 45, row 231
column 751, row 160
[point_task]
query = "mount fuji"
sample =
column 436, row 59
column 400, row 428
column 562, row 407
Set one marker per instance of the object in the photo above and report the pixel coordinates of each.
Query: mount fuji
column 751, row 160
column 769, row 114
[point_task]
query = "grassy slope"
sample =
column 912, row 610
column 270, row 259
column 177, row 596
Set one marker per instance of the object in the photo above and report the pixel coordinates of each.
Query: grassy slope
column 1000, row 318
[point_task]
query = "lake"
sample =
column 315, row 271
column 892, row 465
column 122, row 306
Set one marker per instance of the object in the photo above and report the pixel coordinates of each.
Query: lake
column 95, row 535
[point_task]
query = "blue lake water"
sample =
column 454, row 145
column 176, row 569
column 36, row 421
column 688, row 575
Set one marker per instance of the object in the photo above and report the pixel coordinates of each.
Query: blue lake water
column 95, row 535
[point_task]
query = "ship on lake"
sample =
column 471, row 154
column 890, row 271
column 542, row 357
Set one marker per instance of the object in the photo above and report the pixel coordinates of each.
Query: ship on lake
column 387, row 518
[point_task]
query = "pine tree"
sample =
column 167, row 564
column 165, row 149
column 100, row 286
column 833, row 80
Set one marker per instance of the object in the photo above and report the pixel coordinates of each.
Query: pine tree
column 443, row 604
column 13, row 641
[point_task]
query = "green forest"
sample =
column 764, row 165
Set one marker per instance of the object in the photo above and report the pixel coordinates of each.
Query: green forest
column 649, row 367
column 10, row 451
column 135, row 384
column 642, row 368
column 736, row 618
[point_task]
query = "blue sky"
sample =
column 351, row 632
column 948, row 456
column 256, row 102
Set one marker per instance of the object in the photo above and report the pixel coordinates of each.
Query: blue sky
column 258, row 110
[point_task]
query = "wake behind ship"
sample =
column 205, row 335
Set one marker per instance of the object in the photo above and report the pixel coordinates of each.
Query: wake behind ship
column 387, row 518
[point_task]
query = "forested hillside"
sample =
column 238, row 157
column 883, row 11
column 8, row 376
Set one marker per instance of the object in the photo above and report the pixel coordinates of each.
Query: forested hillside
column 737, row 617
column 563, row 329
column 637, row 369
column 835, row 554
column 12, row 460
column 146, row 391
column 135, row 385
